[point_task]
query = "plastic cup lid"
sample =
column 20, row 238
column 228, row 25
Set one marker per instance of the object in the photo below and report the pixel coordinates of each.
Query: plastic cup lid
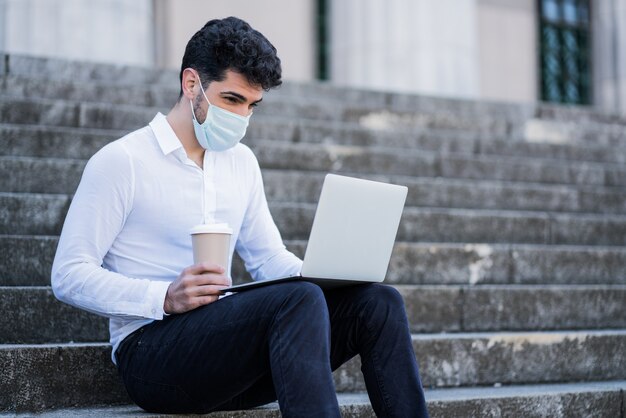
column 211, row 229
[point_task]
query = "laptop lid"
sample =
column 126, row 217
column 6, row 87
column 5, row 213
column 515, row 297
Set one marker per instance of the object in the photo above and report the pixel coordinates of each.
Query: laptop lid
column 354, row 229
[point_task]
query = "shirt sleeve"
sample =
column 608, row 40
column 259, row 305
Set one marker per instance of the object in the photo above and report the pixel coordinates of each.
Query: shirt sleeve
column 260, row 244
column 102, row 202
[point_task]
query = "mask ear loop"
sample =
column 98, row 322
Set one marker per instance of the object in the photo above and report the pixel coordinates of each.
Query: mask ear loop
column 203, row 179
column 193, row 113
column 202, row 90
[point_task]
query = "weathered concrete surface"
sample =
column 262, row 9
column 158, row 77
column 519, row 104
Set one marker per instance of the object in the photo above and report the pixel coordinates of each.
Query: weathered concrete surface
column 587, row 230
column 471, row 168
column 54, row 68
column 79, row 72
column 264, row 128
column 479, row 359
column 35, row 175
column 53, row 142
column 351, row 406
column 567, row 400
column 570, row 151
column 477, row 226
column 574, row 265
column 43, row 214
column 555, row 401
column 294, row 186
column 512, row 169
column 34, row 315
column 53, row 376
column 497, row 308
column 360, row 160
column 32, row 214
column 27, row 260
column 344, row 159
column 50, row 376
column 440, row 263
column 21, row 87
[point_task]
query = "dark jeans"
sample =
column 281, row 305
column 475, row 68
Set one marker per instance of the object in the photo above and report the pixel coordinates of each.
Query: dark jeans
column 276, row 342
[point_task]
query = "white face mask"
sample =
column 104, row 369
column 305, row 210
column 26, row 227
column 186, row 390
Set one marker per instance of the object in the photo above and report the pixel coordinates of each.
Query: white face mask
column 221, row 129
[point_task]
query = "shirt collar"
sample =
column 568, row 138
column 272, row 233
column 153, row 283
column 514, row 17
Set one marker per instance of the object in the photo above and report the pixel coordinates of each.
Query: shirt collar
column 165, row 136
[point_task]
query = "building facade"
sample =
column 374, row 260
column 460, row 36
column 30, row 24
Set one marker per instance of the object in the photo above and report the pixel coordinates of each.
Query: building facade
column 566, row 51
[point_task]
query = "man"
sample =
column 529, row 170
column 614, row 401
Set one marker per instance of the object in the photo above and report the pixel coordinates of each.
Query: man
column 125, row 253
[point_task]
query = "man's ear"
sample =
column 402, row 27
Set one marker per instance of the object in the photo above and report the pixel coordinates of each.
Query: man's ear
column 189, row 83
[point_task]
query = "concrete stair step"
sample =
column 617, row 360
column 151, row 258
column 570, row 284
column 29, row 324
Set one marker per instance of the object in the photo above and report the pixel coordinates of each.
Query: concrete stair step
column 43, row 214
column 377, row 111
column 26, row 261
column 32, row 315
column 58, row 375
column 429, row 139
column 64, row 113
column 321, row 107
column 297, row 186
column 53, row 142
column 37, row 317
column 21, row 174
column 471, row 359
column 67, row 142
column 59, row 112
column 82, row 71
column 59, row 70
column 40, row 175
column 95, row 91
column 357, row 161
column 272, row 154
column 477, row 226
column 554, row 400
column 544, row 122
column 493, row 162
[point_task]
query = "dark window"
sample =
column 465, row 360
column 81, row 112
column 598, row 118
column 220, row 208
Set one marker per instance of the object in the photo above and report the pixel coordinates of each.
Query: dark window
column 323, row 41
column 565, row 51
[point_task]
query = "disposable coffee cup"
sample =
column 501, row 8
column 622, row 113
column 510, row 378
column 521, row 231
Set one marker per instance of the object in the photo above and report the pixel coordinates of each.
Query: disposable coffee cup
column 211, row 243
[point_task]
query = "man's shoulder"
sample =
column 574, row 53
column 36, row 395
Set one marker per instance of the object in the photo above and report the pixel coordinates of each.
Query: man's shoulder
column 243, row 152
column 118, row 150
column 127, row 144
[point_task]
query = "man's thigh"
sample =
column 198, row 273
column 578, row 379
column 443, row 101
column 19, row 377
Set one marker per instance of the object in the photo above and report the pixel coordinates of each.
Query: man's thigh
column 207, row 357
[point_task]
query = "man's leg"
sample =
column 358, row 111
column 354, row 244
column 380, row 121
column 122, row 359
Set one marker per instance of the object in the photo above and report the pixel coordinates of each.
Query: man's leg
column 226, row 355
column 370, row 320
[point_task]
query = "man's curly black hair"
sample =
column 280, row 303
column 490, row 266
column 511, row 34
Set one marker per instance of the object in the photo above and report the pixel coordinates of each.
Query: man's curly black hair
column 231, row 44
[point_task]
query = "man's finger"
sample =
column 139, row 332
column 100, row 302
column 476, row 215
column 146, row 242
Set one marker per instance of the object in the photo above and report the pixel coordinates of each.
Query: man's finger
column 210, row 278
column 211, row 289
column 205, row 267
column 205, row 300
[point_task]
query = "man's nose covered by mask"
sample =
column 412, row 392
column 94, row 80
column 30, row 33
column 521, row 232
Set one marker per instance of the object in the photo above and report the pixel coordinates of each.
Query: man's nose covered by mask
column 221, row 129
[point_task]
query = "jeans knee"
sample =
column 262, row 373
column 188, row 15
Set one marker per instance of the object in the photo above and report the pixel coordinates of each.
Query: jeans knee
column 385, row 303
column 306, row 297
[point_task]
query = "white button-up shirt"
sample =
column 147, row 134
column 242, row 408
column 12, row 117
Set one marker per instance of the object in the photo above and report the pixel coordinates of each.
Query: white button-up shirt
column 126, row 234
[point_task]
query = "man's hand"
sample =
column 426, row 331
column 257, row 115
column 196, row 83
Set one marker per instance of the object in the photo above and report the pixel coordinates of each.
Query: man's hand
column 196, row 286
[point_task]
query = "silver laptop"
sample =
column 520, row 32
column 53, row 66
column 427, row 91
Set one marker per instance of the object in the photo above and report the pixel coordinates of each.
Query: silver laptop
column 352, row 236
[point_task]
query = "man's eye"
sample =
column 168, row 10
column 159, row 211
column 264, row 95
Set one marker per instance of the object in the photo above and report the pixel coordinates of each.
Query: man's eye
column 232, row 99
column 254, row 105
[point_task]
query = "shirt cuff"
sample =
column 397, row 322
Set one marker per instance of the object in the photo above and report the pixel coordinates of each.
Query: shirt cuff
column 156, row 298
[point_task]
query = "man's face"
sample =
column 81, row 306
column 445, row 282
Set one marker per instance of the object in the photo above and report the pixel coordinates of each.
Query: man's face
column 234, row 94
